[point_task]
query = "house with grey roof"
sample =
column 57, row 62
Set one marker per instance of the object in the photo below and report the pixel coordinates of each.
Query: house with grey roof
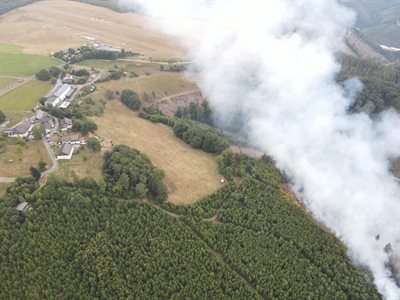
column 66, row 124
column 65, row 152
column 22, row 130
column 22, row 207
column 73, row 140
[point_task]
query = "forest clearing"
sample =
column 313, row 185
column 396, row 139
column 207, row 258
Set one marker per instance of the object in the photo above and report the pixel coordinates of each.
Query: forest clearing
column 189, row 174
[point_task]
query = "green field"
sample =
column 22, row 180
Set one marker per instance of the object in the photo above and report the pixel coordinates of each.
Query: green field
column 5, row 48
column 24, row 65
column 6, row 81
column 24, row 97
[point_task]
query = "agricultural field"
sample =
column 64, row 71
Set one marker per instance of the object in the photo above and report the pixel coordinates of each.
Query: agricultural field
column 190, row 174
column 23, row 157
column 24, row 65
column 45, row 27
column 24, row 97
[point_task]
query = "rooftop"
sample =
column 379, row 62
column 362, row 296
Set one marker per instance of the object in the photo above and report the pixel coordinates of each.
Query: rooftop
column 22, row 206
column 64, row 89
column 66, row 149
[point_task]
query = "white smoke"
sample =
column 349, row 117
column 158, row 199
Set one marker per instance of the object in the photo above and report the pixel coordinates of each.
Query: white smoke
column 275, row 63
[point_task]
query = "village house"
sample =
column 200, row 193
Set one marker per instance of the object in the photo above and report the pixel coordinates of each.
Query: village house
column 65, row 151
column 40, row 115
column 82, row 141
column 68, row 78
column 73, row 140
column 23, row 207
column 22, row 130
column 66, row 124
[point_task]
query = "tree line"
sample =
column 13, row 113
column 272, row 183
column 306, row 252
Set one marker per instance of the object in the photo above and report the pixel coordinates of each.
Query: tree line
column 8, row 5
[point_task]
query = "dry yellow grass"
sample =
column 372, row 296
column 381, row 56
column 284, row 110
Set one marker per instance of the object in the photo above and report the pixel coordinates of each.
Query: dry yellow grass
column 190, row 174
column 50, row 26
column 23, row 157
column 92, row 166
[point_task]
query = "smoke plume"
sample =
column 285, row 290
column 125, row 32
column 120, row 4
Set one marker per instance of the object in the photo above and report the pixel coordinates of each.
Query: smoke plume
column 274, row 62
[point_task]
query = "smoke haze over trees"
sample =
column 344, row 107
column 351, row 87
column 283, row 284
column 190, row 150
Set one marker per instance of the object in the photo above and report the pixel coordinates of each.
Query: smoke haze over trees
column 276, row 68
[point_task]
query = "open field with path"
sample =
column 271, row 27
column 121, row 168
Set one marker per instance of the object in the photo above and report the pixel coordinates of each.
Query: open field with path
column 23, row 158
column 50, row 26
column 162, row 83
column 24, row 97
column 190, row 174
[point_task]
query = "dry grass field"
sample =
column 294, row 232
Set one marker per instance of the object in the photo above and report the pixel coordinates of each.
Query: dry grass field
column 50, row 26
column 85, row 163
column 162, row 83
column 23, row 157
column 190, row 174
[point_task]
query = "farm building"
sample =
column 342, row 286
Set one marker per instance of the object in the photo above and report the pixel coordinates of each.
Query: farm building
column 66, row 124
column 71, row 91
column 58, row 96
column 22, row 207
column 65, row 152
column 65, row 104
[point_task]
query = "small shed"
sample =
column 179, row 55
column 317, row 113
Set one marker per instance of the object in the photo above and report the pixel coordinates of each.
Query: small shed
column 22, row 207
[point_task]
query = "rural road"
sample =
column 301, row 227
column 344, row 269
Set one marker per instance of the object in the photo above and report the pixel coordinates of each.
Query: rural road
column 17, row 84
column 54, row 167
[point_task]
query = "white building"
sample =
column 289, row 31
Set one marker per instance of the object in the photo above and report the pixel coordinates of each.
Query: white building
column 58, row 96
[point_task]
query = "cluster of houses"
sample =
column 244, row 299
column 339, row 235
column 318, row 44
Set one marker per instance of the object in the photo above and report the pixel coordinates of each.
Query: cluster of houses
column 61, row 97
column 69, row 143
column 24, row 129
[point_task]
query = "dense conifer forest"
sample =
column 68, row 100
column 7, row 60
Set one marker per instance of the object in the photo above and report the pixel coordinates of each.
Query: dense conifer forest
column 80, row 240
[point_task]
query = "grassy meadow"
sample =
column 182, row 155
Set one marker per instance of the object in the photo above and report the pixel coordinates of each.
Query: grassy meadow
column 14, row 49
column 23, row 158
column 24, row 97
column 24, row 65
column 6, row 81
column 85, row 163
column 190, row 174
